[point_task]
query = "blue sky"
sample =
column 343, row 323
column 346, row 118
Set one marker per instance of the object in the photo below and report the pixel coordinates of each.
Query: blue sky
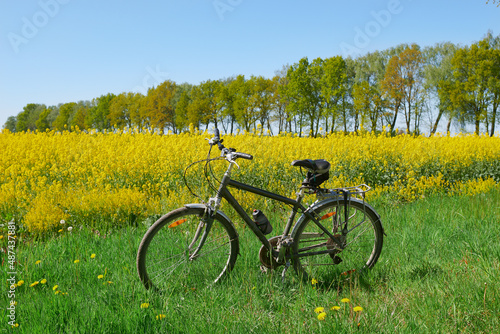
column 58, row 51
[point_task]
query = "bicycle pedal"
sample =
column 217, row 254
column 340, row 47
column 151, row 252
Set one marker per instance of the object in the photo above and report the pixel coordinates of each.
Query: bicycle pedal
column 287, row 265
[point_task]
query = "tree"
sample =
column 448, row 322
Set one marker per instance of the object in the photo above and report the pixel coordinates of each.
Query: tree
column 26, row 119
column 159, row 106
column 281, row 115
column 471, row 90
column 11, row 124
column 262, row 99
column 62, row 121
column 366, row 91
column 97, row 117
column 304, row 93
column 333, row 88
column 183, row 99
column 207, row 103
column 438, row 77
column 42, row 123
column 242, row 90
column 402, row 85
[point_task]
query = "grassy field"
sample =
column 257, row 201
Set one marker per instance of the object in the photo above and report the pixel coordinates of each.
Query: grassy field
column 438, row 272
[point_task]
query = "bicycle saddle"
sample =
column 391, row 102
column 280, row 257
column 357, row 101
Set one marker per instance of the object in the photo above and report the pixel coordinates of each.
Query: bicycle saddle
column 319, row 166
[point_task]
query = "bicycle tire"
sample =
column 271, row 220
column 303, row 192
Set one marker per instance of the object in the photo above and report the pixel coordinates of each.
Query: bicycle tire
column 164, row 256
column 363, row 243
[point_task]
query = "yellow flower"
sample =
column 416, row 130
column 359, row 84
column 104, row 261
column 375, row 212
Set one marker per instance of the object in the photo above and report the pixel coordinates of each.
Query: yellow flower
column 160, row 316
column 144, row 305
column 15, row 325
column 357, row 309
column 21, row 282
column 314, row 281
column 345, row 300
column 76, row 261
column 100, row 276
column 335, row 308
column 319, row 309
column 321, row 316
column 55, row 287
column 92, row 256
column 60, row 230
column 34, row 283
column 57, row 292
column 1, row 236
column 43, row 281
column 38, row 262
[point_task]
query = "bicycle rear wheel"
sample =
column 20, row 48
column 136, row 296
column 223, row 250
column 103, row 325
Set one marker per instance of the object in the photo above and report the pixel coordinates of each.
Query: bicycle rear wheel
column 172, row 254
column 318, row 257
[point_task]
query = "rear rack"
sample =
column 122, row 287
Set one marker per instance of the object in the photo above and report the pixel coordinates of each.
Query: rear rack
column 347, row 192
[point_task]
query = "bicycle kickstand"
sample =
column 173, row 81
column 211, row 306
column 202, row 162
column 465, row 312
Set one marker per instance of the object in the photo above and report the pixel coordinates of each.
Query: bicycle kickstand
column 287, row 265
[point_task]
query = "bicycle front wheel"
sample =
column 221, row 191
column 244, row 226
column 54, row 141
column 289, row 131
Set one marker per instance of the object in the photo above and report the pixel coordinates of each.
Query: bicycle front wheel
column 320, row 258
column 177, row 252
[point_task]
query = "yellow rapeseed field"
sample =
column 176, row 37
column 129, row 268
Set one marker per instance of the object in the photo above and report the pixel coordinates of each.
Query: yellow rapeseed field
column 113, row 179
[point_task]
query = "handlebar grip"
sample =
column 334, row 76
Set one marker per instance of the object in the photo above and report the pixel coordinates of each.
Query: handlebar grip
column 244, row 156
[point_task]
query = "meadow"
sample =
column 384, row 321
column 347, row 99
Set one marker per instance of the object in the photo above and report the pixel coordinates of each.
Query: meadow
column 81, row 202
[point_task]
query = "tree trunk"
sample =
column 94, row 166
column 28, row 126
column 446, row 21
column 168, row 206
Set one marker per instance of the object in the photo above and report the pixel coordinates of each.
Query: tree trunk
column 434, row 127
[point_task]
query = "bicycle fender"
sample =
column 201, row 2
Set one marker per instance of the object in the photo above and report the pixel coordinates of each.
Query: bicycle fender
column 313, row 207
column 220, row 213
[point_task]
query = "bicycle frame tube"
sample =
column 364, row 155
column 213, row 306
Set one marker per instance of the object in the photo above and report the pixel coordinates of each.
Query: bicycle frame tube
column 224, row 193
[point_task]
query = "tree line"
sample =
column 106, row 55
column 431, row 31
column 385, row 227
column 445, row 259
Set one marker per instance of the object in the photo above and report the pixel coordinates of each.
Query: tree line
column 406, row 86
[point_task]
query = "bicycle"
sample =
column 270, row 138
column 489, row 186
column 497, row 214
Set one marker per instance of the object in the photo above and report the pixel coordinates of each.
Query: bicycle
column 197, row 244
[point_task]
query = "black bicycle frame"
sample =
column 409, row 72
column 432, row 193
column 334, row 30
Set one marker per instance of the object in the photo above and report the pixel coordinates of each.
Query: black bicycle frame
column 224, row 193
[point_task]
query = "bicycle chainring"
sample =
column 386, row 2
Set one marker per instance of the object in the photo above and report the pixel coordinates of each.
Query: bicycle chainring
column 266, row 258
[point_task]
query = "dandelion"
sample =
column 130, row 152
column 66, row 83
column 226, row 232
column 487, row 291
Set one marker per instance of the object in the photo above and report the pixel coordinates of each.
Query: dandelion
column 43, row 281
column 92, row 256
column 144, row 305
column 70, row 229
column 76, row 261
column 100, row 276
column 314, row 281
column 357, row 309
column 38, row 262
column 34, row 284
column 15, row 325
column 109, row 282
column 1, row 237
column 57, row 292
column 60, row 230
column 160, row 316
column 335, row 308
column 345, row 300
column 63, row 221
column 21, row 282
column 319, row 309
column 321, row 316
column 55, row 287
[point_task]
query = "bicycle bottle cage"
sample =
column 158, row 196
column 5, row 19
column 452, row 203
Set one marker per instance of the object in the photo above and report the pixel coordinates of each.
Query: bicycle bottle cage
column 318, row 171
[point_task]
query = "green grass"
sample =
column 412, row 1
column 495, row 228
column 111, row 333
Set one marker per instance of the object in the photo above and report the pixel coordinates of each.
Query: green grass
column 438, row 272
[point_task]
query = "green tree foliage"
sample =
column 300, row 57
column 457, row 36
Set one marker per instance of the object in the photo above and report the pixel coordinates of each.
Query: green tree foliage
column 402, row 86
column 66, row 112
column 471, row 92
column 97, row 117
column 438, row 76
column 394, row 87
column 160, row 108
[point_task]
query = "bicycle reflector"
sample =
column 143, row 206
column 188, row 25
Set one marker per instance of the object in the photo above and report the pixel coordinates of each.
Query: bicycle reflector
column 328, row 215
column 177, row 223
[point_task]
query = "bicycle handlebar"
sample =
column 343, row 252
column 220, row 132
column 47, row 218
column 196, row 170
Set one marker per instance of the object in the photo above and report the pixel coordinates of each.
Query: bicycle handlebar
column 230, row 153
